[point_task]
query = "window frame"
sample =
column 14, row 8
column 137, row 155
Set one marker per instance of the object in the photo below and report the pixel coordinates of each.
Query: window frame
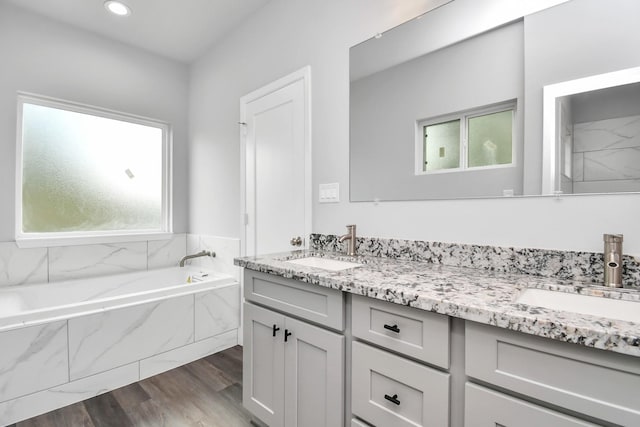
column 464, row 117
column 48, row 239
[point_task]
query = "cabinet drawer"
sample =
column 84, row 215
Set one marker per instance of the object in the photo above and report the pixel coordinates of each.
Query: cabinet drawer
column 357, row 423
column 389, row 390
column 317, row 304
column 487, row 408
column 416, row 333
column 596, row 383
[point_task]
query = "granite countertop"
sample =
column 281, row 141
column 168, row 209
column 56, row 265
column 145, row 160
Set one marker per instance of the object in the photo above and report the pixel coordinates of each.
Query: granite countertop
column 472, row 294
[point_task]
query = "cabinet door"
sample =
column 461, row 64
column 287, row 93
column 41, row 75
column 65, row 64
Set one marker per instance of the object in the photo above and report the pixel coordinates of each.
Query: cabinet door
column 314, row 376
column 263, row 364
column 487, row 408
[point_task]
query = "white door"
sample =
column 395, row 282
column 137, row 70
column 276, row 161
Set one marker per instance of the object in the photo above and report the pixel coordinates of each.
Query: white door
column 276, row 162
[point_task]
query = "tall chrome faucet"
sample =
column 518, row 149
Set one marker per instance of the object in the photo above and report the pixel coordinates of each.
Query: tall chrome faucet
column 613, row 260
column 199, row 254
column 351, row 237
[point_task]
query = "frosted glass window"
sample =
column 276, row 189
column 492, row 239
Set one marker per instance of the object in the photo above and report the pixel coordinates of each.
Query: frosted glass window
column 472, row 139
column 442, row 146
column 490, row 139
column 86, row 172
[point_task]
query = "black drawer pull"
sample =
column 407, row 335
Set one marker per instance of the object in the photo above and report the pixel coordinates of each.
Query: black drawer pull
column 393, row 328
column 392, row 399
column 275, row 329
column 287, row 334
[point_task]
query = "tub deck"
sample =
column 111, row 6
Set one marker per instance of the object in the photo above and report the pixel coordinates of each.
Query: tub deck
column 27, row 305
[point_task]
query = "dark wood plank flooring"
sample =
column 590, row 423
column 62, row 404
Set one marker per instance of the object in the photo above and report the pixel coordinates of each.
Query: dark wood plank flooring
column 205, row 393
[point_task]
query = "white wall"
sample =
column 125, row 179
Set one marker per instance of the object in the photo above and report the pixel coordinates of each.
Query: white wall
column 44, row 57
column 286, row 35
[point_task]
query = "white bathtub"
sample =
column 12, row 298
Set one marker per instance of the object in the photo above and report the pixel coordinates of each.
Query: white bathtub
column 68, row 341
column 32, row 304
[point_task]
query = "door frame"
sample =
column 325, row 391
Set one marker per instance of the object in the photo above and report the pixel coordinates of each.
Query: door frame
column 303, row 74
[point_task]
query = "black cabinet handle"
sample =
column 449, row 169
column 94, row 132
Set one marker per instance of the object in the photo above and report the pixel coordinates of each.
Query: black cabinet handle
column 392, row 399
column 275, row 329
column 393, row 328
column 287, row 334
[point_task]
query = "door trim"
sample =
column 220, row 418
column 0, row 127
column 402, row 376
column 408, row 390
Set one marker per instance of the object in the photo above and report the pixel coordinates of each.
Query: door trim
column 303, row 74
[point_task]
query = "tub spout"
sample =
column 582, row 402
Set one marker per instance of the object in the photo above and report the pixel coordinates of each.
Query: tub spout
column 198, row 255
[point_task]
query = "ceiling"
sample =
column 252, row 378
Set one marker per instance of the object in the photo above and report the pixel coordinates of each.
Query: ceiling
column 178, row 29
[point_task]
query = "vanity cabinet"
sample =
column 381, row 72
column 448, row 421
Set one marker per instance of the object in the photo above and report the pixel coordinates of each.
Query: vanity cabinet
column 596, row 383
column 404, row 366
column 293, row 370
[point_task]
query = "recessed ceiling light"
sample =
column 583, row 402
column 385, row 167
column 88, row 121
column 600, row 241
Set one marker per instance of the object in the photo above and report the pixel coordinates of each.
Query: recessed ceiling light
column 117, row 8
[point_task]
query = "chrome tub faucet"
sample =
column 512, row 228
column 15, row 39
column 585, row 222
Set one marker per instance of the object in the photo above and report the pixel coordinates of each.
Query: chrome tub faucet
column 351, row 237
column 198, row 255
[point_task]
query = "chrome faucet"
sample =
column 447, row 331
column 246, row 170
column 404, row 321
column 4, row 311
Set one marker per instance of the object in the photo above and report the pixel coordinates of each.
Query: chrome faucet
column 613, row 260
column 198, row 255
column 351, row 237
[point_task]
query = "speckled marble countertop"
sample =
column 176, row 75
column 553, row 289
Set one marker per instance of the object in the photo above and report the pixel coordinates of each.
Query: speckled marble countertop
column 471, row 294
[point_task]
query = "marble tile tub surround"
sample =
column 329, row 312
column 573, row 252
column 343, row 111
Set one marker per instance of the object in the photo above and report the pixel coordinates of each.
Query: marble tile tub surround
column 45, row 367
column 566, row 265
column 226, row 250
column 474, row 294
column 21, row 266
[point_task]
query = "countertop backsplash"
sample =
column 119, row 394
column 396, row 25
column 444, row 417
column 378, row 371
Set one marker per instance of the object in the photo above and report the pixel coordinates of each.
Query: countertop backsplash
column 570, row 265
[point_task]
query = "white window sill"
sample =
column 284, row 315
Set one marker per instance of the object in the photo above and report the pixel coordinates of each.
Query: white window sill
column 43, row 241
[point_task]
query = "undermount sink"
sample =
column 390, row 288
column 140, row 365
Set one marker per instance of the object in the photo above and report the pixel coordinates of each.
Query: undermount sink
column 324, row 263
column 583, row 304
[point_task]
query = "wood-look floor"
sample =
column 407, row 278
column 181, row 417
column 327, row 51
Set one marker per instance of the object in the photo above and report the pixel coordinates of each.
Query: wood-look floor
column 205, row 393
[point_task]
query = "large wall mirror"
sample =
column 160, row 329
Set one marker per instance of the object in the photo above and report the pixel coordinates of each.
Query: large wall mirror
column 450, row 104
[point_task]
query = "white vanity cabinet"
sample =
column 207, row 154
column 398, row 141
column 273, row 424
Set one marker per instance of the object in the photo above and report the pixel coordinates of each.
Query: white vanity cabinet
column 293, row 370
column 389, row 389
column 403, row 366
column 599, row 384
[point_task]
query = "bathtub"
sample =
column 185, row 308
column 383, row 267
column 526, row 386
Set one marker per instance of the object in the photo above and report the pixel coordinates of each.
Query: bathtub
column 32, row 304
column 68, row 341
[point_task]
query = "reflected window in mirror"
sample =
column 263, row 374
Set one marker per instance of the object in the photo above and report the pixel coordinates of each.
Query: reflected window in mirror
column 474, row 139
column 441, row 146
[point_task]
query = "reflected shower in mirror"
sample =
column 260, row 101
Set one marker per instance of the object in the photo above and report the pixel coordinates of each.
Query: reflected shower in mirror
column 592, row 134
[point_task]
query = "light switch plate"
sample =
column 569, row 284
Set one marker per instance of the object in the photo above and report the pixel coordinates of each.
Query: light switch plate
column 329, row 193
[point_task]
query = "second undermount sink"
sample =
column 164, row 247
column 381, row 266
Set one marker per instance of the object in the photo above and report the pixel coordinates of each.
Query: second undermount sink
column 324, row 263
column 583, row 304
